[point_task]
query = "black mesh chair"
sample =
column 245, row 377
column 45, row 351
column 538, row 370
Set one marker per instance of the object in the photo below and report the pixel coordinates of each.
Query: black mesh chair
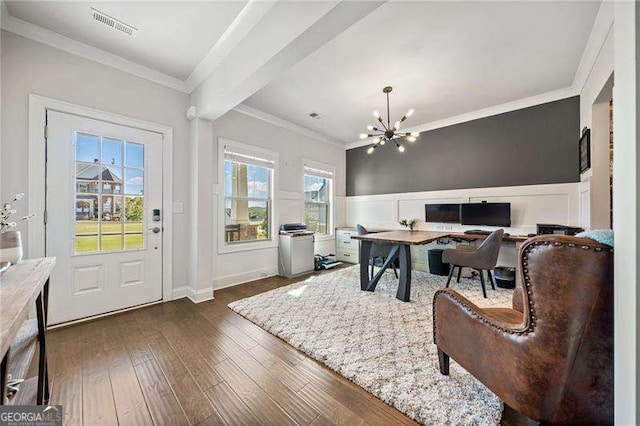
column 379, row 253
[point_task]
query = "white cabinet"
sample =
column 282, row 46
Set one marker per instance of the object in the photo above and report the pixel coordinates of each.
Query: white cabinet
column 296, row 254
column 347, row 250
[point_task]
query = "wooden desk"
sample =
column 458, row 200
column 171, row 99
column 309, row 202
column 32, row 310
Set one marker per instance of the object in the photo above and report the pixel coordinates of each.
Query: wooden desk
column 402, row 242
column 475, row 237
column 21, row 286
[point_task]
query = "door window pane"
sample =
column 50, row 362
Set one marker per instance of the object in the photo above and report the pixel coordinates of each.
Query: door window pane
column 86, row 244
column 135, row 155
column 87, row 148
column 112, row 150
column 134, row 182
column 106, row 220
column 110, row 242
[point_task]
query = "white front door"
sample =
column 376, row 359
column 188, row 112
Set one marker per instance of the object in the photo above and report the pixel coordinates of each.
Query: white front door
column 104, row 223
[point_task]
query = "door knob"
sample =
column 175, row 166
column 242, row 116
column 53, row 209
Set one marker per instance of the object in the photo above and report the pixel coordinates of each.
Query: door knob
column 155, row 229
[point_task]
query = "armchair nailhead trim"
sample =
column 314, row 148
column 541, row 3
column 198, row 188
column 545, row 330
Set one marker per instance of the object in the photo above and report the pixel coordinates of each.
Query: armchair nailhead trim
column 527, row 285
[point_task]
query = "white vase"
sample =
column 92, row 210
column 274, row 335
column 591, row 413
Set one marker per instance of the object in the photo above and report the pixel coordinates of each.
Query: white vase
column 11, row 247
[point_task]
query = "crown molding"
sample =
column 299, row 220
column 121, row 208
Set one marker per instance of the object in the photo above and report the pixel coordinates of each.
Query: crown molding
column 287, row 125
column 542, row 98
column 602, row 26
column 53, row 39
column 243, row 23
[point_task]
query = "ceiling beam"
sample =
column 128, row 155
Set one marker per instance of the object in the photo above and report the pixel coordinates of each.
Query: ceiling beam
column 248, row 17
column 288, row 33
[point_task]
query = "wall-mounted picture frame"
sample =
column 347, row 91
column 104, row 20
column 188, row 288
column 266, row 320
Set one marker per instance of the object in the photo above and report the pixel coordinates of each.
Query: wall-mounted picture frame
column 584, row 149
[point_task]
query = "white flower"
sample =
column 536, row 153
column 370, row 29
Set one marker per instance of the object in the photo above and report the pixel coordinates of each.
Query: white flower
column 19, row 196
column 6, row 206
column 12, row 225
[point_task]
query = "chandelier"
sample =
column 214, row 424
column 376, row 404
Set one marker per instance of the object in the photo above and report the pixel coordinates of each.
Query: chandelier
column 388, row 133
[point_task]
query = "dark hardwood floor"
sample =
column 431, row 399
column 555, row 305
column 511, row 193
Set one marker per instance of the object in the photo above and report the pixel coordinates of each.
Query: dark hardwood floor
column 180, row 363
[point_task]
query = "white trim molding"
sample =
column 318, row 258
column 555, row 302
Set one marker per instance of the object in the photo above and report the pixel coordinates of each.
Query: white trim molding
column 53, row 39
column 602, row 25
column 244, row 277
column 287, row 125
column 38, row 107
column 219, row 233
column 540, row 99
column 198, row 296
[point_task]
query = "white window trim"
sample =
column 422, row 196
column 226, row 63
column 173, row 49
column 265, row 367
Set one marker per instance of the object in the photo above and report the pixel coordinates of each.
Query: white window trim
column 332, row 195
column 38, row 106
column 272, row 242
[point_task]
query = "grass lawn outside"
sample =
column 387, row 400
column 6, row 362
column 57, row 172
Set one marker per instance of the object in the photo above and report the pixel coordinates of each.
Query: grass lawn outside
column 86, row 240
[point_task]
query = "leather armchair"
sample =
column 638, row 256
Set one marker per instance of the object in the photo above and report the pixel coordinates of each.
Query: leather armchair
column 551, row 356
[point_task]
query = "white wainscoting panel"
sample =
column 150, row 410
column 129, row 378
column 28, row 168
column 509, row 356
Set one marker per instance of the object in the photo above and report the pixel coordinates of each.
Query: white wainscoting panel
column 531, row 204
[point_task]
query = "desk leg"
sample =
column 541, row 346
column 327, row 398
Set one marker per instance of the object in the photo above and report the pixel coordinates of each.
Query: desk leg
column 43, row 374
column 391, row 257
column 4, row 377
column 404, row 284
column 365, row 251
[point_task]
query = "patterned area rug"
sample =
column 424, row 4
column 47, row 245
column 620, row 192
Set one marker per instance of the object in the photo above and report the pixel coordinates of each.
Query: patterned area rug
column 380, row 343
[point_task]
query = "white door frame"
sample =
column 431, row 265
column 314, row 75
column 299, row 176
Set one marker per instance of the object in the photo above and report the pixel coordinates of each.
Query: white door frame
column 38, row 106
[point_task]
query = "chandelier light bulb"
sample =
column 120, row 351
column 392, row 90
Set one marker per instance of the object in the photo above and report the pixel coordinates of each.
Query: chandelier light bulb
column 386, row 132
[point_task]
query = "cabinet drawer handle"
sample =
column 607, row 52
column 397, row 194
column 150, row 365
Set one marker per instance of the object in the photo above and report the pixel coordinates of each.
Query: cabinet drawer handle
column 347, row 242
column 346, row 255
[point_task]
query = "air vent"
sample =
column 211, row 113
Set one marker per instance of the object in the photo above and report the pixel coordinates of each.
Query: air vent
column 113, row 23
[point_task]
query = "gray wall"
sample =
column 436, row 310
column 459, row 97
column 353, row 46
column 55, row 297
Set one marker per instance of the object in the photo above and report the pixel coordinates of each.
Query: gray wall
column 535, row 145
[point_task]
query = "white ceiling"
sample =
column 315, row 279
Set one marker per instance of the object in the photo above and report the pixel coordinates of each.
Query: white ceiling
column 442, row 58
column 173, row 37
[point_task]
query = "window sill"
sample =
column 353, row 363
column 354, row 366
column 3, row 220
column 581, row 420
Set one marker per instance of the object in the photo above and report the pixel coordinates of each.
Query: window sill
column 240, row 247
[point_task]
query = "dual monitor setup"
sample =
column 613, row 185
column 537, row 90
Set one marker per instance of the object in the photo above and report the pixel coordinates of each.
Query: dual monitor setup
column 486, row 214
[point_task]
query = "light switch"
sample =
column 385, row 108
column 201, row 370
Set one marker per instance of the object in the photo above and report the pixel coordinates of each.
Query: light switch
column 178, row 207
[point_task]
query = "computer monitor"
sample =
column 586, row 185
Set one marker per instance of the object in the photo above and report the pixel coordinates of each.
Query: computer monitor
column 488, row 214
column 442, row 213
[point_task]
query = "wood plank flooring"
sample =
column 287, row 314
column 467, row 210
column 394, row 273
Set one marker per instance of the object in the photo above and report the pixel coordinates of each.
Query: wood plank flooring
column 179, row 363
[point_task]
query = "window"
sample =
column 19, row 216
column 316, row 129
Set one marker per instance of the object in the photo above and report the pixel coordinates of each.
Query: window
column 318, row 198
column 248, row 188
column 106, row 218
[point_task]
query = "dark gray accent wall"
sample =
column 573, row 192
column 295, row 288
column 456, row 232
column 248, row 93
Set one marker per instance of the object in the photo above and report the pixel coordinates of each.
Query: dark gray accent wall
column 535, row 145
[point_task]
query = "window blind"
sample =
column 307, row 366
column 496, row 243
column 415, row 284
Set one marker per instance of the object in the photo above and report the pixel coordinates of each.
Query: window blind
column 310, row 171
column 238, row 157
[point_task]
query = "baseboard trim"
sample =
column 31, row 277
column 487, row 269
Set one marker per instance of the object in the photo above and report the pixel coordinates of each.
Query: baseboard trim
column 232, row 280
column 198, row 296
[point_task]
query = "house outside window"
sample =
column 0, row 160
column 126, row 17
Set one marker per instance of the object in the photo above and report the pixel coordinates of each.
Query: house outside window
column 248, row 189
column 318, row 200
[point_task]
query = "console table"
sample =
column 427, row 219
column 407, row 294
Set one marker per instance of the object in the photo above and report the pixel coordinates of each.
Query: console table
column 21, row 287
